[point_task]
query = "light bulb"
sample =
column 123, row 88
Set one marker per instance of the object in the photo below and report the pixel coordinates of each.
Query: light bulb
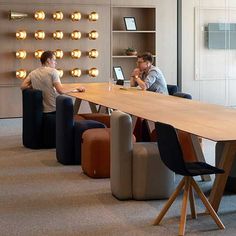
column 75, row 35
column 61, row 72
column 93, row 35
column 21, row 54
column 76, row 53
column 93, row 53
column 75, row 16
column 58, row 15
column 39, row 34
column 21, row 34
column 93, row 72
column 58, row 35
column 39, row 15
column 38, row 53
column 21, row 74
column 93, row 16
column 58, row 53
column 76, row 72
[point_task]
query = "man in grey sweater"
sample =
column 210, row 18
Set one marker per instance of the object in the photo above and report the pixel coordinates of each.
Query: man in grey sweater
column 147, row 76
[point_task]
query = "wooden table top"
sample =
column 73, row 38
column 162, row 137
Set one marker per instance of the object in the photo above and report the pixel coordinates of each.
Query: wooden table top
column 214, row 122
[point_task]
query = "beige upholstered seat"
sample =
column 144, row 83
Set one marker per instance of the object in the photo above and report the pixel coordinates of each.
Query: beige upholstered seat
column 136, row 169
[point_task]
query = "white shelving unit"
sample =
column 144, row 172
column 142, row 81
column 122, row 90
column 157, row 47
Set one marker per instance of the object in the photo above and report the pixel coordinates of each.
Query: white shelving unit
column 143, row 39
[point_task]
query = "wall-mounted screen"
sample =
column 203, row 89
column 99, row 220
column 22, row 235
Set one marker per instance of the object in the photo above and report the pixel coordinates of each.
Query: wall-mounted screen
column 222, row 35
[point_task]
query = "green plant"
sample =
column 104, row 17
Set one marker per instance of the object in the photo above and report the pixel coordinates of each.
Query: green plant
column 129, row 49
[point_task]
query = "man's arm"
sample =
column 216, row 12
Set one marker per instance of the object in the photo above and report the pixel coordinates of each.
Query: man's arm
column 59, row 88
column 141, row 84
column 26, row 83
column 132, row 81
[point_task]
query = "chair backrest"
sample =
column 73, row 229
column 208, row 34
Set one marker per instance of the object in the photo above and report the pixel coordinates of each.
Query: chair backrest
column 182, row 95
column 172, row 89
column 121, row 155
column 32, row 102
column 170, row 149
column 64, row 130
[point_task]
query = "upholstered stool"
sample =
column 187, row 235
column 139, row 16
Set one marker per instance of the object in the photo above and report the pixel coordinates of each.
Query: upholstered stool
column 95, row 158
column 100, row 117
column 151, row 178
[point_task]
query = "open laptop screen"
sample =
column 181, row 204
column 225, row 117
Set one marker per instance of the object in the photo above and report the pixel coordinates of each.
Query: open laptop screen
column 119, row 75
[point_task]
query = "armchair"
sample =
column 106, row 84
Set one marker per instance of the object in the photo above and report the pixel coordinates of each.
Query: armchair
column 39, row 129
column 136, row 169
column 69, row 132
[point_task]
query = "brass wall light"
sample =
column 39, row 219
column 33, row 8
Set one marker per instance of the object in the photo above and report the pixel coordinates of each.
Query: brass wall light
column 38, row 53
column 21, row 74
column 76, row 53
column 93, row 53
column 58, row 53
column 21, row 34
column 93, row 35
column 21, row 54
column 76, row 72
column 75, row 16
column 61, row 72
column 12, row 15
column 93, row 16
column 39, row 15
column 58, row 15
column 93, row 72
column 75, row 35
column 58, row 35
column 39, row 34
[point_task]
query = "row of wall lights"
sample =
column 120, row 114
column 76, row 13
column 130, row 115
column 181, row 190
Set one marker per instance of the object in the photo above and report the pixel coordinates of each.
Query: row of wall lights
column 57, row 16
column 75, row 54
column 58, row 34
column 76, row 72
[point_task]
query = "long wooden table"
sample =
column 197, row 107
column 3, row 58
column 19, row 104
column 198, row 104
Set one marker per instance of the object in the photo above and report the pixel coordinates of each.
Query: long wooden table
column 209, row 121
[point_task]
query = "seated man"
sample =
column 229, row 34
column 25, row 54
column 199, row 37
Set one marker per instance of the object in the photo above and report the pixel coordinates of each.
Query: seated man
column 147, row 76
column 46, row 78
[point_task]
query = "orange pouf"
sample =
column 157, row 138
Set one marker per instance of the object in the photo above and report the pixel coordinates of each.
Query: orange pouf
column 95, row 156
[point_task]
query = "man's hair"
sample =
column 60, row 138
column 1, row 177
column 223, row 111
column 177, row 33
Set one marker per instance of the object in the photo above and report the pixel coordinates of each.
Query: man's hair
column 46, row 55
column 147, row 56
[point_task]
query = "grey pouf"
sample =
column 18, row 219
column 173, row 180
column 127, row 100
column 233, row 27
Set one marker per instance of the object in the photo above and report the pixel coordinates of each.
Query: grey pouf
column 151, row 178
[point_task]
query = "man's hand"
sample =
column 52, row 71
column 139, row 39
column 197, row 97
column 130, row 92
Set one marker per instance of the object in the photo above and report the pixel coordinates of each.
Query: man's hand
column 81, row 89
column 136, row 72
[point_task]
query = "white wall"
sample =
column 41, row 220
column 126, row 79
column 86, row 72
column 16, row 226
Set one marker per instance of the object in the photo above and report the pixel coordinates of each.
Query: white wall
column 167, row 39
column 208, row 74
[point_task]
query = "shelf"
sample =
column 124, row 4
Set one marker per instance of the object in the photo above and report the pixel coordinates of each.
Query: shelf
column 135, row 31
column 143, row 39
column 125, row 56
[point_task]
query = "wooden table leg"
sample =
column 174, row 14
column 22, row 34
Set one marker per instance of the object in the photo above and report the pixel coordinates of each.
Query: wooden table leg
column 198, row 150
column 77, row 105
column 226, row 162
column 93, row 107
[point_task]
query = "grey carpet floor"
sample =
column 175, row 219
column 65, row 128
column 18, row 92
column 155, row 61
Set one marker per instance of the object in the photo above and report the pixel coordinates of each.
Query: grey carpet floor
column 38, row 196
